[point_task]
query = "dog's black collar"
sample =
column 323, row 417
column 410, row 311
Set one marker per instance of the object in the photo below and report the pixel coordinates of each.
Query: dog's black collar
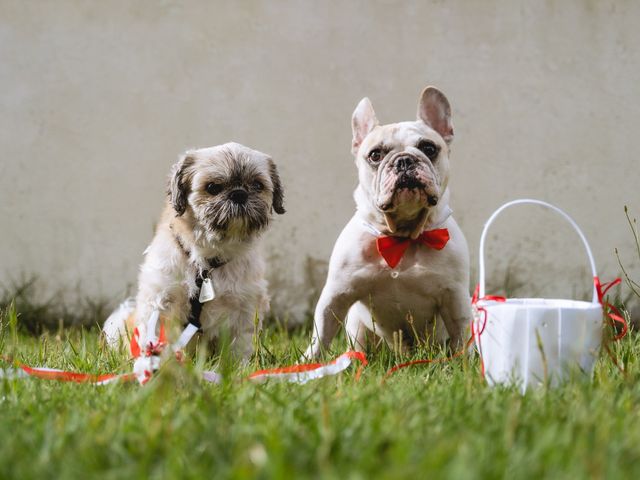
column 194, row 300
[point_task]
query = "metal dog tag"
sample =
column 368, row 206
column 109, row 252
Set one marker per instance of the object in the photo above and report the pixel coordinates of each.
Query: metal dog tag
column 206, row 291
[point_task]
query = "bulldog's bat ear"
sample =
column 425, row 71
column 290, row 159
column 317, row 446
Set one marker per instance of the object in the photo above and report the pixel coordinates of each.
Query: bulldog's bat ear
column 362, row 122
column 179, row 182
column 435, row 111
column 278, row 192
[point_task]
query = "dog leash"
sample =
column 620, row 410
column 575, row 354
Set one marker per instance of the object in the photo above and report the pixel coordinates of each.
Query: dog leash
column 147, row 358
column 204, row 286
column 204, row 291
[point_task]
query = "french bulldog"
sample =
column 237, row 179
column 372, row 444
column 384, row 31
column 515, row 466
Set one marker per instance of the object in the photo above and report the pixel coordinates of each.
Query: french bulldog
column 401, row 264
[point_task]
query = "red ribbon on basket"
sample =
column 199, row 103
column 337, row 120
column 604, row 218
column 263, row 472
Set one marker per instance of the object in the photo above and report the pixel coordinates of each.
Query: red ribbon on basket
column 474, row 301
column 475, row 333
column 609, row 310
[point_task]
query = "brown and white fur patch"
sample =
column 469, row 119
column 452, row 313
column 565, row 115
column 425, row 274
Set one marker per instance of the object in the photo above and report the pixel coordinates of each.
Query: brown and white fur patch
column 220, row 199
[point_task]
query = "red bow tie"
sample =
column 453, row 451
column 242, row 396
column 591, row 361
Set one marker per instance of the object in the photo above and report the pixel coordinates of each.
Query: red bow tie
column 392, row 248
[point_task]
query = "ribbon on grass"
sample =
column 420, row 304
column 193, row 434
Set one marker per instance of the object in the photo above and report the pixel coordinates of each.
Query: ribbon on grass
column 477, row 328
column 149, row 349
column 294, row 374
column 310, row 371
column 423, row 361
column 43, row 373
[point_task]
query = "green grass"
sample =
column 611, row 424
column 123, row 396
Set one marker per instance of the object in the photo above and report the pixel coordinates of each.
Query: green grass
column 437, row 421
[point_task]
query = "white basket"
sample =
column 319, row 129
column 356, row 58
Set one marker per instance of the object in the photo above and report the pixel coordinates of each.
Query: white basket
column 535, row 341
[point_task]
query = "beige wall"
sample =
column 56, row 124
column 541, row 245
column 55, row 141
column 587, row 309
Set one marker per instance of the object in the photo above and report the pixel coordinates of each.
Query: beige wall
column 97, row 99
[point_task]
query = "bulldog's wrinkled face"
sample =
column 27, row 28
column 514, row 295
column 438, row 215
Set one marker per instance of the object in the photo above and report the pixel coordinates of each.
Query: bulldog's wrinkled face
column 404, row 167
column 227, row 191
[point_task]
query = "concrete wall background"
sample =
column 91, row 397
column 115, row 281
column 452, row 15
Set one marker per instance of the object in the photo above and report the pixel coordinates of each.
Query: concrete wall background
column 98, row 99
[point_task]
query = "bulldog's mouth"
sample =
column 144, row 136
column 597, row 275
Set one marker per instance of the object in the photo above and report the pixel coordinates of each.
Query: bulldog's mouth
column 409, row 182
column 412, row 183
column 407, row 206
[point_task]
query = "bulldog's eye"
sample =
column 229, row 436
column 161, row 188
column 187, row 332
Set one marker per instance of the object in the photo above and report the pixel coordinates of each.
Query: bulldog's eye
column 214, row 188
column 430, row 149
column 375, row 155
column 257, row 186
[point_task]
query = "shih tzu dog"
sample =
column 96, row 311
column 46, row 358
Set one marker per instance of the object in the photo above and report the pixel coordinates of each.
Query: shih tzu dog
column 204, row 255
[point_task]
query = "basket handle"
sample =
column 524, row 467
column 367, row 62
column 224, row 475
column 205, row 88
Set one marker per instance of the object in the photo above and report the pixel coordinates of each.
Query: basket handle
column 544, row 204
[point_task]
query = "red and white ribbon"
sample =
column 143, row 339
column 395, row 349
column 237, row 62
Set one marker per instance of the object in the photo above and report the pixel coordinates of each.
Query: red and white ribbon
column 295, row 373
column 43, row 373
column 149, row 349
column 479, row 321
column 310, row 371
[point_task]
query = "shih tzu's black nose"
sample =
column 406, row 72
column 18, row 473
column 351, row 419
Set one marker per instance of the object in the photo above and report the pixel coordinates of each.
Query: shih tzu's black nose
column 404, row 163
column 238, row 196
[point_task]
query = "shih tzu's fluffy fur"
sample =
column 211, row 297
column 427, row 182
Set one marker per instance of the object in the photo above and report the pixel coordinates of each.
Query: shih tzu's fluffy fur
column 219, row 201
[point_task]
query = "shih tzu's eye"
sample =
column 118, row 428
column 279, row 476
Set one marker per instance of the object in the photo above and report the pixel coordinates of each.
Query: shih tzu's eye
column 375, row 155
column 430, row 149
column 258, row 186
column 214, row 188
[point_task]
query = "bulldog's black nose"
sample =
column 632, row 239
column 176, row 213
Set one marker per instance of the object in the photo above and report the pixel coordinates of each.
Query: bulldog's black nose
column 238, row 196
column 404, row 163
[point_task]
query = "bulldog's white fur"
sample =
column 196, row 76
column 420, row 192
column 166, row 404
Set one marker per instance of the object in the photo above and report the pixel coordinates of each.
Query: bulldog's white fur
column 403, row 172
column 220, row 199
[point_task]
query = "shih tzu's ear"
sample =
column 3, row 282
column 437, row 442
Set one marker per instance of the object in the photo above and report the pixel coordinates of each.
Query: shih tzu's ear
column 362, row 122
column 278, row 192
column 435, row 111
column 179, row 183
